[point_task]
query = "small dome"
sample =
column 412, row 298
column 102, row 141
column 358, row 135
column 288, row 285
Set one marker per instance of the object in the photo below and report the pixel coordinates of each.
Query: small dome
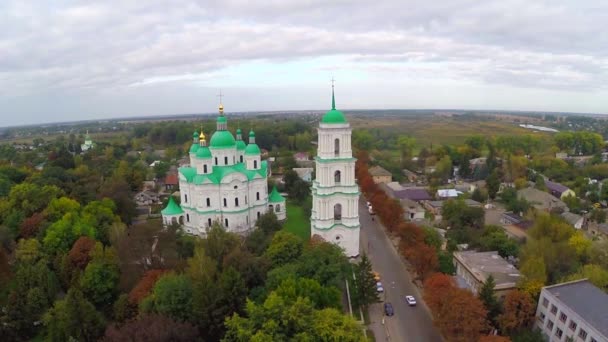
column 252, row 149
column 203, row 153
column 334, row 116
column 238, row 131
column 240, row 145
column 195, row 134
column 194, row 148
column 251, row 134
column 222, row 139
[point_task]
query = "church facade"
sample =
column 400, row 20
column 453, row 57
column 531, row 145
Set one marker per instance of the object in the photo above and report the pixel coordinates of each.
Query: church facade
column 335, row 201
column 226, row 182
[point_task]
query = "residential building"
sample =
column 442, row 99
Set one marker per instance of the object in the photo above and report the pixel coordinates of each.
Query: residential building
column 305, row 173
column 412, row 211
column 472, row 203
column 573, row 311
column 509, row 217
column 542, row 200
column 146, row 197
column 410, row 175
column 414, row 194
column 380, row 174
column 171, row 181
column 434, row 207
column 558, row 190
column 226, row 182
column 465, row 187
column 335, row 193
column 473, row 269
column 577, row 221
column 515, row 226
column 301, row 156
column 447, row 193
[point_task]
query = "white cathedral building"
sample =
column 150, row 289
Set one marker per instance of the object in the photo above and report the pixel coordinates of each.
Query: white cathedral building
column 226, row 182
column 335, row 193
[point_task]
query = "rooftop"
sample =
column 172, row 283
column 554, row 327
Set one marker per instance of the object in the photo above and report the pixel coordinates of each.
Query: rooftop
column 540, row 199
column 552, row 186
column 572, row 218
column 484, row 264
column 447, row 193
column 379, row 171
column 415, row 194
column 588, row 301
column 409, row 205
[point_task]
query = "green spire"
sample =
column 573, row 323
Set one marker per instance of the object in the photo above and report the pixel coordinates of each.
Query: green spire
column 333, row 98
column 275, row 196
column 172, row 208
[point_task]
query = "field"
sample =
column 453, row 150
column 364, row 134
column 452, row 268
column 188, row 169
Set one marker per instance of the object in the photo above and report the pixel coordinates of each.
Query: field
column 297, row 222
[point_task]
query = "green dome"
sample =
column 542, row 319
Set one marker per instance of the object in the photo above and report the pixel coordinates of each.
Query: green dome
column 194, row 148
column 238, row 131
column 203, row 153
column 222, row 139
column 275, row 196
column 172, row 208
column 221, row 119
column 334, row 116
column 251, row 134
column 252, row 149
column 240, row 145
column 195, row 135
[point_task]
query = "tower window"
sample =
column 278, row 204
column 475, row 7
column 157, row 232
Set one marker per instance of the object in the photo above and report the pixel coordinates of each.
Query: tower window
column 241, row 158
column 255, row 164
column 215, row 160
column 209, row 222
column 208, row 201
column 337, row 147
column 236, row 187
column 337, row 177
column 187, row 217
column 257, row 196
column 236, row 201
column 225, row 160
column 186, row 198
column 278, row 208
column 338, row 212
column 205, row 168
column 233, row 160
column 247, row 219
column 270, row 207
column 225, row 202
column 245, row 199
column 258, row 214
column 226, row 222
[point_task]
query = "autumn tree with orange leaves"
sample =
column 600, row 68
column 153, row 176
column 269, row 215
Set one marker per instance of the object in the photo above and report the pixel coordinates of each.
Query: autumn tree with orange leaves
column 494, row 338
column 461, row 317
column 80, row 254
column 145, row 285
column 423, row 258
column 518, row 312
column 435, row 288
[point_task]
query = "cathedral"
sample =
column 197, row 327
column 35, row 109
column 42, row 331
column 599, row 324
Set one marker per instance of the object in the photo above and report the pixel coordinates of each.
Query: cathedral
column 335, row 193
column 226, row 182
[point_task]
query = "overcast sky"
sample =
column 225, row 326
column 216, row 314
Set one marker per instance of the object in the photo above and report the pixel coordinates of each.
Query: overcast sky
column 73, row 60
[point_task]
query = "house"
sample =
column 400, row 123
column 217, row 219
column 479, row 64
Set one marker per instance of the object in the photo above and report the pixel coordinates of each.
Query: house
column 573, row 311
column 510, row 218
column 171, row 181
column 447, row 193
column 149, row 185
column 305, row 173
column 473, row 269
column 558, row 190
column 542, row 200
column 154, row 163
column 380, row 175
column 465, row 187
column 575, row 220
column 410, row 175
column 146, row 197
column 301, row 156
column 515, row 226
column 561, row 155
column 412, row 210
column 477, row 163
column 434, row 207
column 472, row 203
column 414, row 194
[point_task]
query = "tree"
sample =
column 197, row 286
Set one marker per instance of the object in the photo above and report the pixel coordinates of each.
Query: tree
column 290, row 178
column 479, row 195
column 219, row 243
column 597, row 275
column 494, row 238
column 151, row 327
column 171, row 296
column 73, row 318
column 285, row 247
column 80, row 254
column 436, row 287
column 518, row 312
column 598, row 215
column 365, row 284
column 423, row 258
column 145, row 285
column 458, row 215
column 62, row 234
column 598, row 254
column 494, row 338
column 465, row 324
column 101, row 275
column 31, row 225
column 493, row 184
column 28, row 251
column 581, row 245
column 300, row 191
column 324, row 262
column 486, row 295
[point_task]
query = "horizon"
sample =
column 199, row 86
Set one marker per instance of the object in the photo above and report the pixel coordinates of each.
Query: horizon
column 80, row 61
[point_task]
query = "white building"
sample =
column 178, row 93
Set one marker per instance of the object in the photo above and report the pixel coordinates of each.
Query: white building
column 88, row 143
column 573, row 311
column 225, row 182
column 305, row 173
column 335, row 201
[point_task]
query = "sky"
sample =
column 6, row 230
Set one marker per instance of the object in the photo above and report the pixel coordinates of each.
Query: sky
column 81, row 60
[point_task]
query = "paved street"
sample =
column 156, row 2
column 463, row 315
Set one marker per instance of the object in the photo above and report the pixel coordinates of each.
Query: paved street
column 409, row 323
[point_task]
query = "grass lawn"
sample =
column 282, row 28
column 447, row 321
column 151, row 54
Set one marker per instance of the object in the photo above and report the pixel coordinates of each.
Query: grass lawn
column 296, row 222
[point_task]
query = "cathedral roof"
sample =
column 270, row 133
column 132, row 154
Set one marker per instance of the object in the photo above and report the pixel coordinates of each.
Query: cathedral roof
column 275, row 196
column 333, row 116
column 172, row 208
column 222, row 139
column 203, row 153
column 194, row 148
column 252, row 149
column 240, row 145
column 219, row 172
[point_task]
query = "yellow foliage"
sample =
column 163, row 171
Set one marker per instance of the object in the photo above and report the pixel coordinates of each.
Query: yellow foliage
column 580, row 243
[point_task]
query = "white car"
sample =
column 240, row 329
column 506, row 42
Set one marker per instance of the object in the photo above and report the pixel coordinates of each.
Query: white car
column 379, row 287
column 411, row 301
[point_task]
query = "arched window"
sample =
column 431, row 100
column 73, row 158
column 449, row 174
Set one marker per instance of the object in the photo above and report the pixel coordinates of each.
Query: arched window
column 338, row 212
column 270, row 207
column 278, row 208
column 208, row 201
column 215, row 160
column 209, row 222
column 337, row 177
column 258, row 214
column 205, row 168
column 226, row 222
column 225, row 160
column 233, row 160
column 185, row 198
column 187, row 217
column 337, row 147
column 255, row 164
column 225, row 202
column 236, row 201
column 241, row 158
column 257, row 196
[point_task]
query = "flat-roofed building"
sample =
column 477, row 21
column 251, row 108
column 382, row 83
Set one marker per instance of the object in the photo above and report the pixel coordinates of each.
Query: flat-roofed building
column 474, row 268
column 573, row 311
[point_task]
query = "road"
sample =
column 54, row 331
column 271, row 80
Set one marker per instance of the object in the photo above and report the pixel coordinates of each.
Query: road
column 411, row 324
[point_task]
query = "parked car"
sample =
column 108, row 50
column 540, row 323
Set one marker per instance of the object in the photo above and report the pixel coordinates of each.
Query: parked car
column 376, row 276
column 388, row 309
column 379, row 287
column 411, row 301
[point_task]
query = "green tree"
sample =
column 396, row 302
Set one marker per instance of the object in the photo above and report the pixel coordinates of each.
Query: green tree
column 597, row 275
column 365, row 285
column 99, row 281
column 494, row 238
column 479, row 195
column 299, row 191
column 486, row 295
column 172, row 296
column 73, row 318
column 285, row 247
column 493, row 184
column 61, row 235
